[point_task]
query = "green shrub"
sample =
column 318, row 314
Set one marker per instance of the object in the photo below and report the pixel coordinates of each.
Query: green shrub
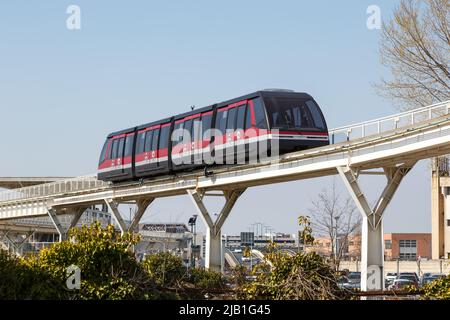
column 21, row 280
column 109, row 269
column 206, row 279
column 304, row 276
column 438, row 289
column 164, row 268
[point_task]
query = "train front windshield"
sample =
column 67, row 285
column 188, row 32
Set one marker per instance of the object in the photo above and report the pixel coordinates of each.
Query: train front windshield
column 294, row 114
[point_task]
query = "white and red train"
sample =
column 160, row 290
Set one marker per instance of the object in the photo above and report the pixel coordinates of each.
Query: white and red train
column 294, row 119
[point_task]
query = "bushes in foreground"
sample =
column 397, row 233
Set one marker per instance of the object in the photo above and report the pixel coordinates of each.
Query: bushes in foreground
column 304, row 276
column 108, row 268
column 439, row 289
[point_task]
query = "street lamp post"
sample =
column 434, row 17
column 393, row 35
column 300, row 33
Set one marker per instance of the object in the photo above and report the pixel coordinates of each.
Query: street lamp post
column 192, row 224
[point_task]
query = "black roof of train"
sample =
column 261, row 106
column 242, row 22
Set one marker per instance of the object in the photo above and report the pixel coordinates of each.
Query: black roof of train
column 261, row 93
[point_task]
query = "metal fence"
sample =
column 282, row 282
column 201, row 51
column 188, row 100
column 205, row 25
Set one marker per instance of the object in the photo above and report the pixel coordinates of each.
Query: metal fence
column 85, row 183
column 380, row 125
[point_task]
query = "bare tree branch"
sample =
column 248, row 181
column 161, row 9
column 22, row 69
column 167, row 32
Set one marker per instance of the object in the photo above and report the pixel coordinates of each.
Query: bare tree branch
column 335, row 218
column 415, row 46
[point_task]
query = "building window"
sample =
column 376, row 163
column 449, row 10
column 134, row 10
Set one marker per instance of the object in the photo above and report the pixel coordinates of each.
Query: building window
column 408, row 243
column 408, row 256
column 408, row 249
column 388, row 244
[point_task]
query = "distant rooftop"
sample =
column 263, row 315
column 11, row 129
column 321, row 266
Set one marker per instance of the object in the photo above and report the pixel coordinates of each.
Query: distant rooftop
column 19, row 182
column 164, row 227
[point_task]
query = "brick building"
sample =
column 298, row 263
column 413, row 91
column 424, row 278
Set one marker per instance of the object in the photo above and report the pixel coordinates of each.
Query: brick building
column 407, row 246
column 403, row 246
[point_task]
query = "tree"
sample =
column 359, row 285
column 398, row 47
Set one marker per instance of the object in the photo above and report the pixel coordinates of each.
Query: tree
column 165, row 268
column 335, row 218
column 305, row 236
column 415, row 46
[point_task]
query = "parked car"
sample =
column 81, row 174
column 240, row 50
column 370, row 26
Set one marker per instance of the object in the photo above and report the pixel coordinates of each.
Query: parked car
column 354, row 277
column 350, row 282
column 402, row 283
column 390, row 277
column 429, row 277
column 410, row 277
column 410, row 274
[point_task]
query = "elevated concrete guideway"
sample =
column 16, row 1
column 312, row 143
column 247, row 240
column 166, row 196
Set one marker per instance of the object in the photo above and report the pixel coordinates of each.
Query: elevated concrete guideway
column 393, row 144
column 20, row 182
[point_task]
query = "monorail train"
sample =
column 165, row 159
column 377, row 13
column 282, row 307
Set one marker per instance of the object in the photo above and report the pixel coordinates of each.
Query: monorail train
column 292, row 118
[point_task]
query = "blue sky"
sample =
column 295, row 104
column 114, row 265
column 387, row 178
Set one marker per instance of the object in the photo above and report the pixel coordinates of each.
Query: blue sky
column 62, row 91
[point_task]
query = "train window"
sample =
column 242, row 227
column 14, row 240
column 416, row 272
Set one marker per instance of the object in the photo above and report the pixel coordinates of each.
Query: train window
column 221, row 121
column 120, row 148
column 314, row 109
column 289, row 113
column 260, row 117
column 113, row 154
column 206, row 125
column 140, row 144
column 103, row 154
column 148, row 140
column 231, row 121
column 241, row 117
column 187, row 131
column 128, row 145
column 178, row 130
column 248, row 119
column 164, row 137
column 155, row 139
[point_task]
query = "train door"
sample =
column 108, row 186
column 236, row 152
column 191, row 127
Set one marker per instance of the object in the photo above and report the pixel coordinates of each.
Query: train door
column 177, row 143
column 187, row 151
column 220, row 135
column 163, row 147
column 146, row 158
column 154, row 153
column 205, row 137
column 127, row 166
column 256, row 133
column 240, row 133
column 196, row 141
column 116, row 155
column 230, row 150
column 120, row 155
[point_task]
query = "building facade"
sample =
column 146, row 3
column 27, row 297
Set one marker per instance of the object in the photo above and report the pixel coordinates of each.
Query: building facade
column 401, row 246
column 407, row 246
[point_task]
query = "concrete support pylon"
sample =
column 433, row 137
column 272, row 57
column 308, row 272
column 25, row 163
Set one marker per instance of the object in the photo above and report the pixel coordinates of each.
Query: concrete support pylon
column 114, row 208
column 52, row 213
column 77, row 212
column 142, row 205
column 214, row 258
column 372, row 247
